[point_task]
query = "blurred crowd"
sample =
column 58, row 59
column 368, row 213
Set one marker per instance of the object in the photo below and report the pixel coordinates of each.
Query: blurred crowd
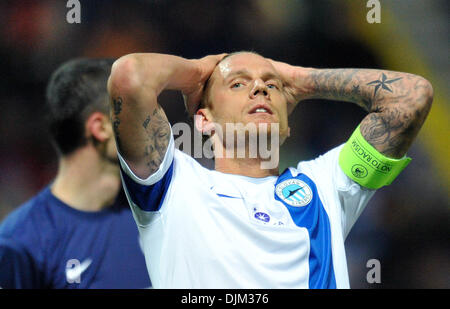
column 405, row 226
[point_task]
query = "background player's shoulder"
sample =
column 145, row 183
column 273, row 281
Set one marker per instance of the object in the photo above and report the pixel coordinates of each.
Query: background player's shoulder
column 22, row 243
column 25, row 221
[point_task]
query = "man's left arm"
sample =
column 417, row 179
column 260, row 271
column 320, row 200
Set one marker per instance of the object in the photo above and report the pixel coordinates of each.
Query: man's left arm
column 397, row 103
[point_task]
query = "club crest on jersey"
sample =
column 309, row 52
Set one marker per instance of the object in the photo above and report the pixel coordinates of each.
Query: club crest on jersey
column 294, row 192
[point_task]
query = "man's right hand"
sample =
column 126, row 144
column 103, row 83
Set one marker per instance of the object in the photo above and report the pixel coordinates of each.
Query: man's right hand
column 193, row 94
column 140, row 125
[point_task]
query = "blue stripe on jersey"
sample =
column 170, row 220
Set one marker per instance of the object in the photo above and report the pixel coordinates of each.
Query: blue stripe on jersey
column 314, row 218
column 229, row 196
column 148, row 198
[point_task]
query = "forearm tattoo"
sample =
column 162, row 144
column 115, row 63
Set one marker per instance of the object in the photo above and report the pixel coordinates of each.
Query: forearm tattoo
column 398, row 103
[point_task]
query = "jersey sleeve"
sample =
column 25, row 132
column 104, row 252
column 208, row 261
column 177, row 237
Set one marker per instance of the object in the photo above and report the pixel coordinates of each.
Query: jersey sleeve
column 146, row 196
column 342, row 192
column 18, row 268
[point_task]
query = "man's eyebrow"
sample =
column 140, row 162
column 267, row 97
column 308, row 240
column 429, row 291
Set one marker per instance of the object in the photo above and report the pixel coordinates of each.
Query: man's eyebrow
column 245, row 72
column 238, row 73
column 271, row 75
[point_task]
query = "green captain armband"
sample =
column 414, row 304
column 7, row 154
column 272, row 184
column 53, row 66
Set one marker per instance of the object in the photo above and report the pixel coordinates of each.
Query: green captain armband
column 366, row 166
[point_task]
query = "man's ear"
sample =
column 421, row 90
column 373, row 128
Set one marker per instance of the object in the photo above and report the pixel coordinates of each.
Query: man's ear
column 98, row 127
column 203, row 121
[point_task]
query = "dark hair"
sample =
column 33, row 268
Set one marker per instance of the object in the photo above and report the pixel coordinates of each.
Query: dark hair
column 75, row 90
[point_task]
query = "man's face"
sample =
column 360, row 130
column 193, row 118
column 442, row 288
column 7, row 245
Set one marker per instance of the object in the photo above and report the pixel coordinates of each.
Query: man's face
column 245, row 88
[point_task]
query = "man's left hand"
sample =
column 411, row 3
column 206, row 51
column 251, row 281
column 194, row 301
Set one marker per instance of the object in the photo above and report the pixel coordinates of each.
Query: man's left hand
column 295, row 82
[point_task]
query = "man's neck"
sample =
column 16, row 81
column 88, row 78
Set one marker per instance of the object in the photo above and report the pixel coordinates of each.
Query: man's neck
column 247, row 161
column 86, row 182
column 244, row 167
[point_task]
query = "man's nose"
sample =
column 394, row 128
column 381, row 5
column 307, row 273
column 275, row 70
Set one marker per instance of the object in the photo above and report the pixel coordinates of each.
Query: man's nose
column 259, row 88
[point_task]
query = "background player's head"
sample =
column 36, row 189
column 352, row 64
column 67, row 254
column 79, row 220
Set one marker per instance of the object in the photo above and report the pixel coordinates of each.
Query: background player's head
column 241, row 84
column 77, row 107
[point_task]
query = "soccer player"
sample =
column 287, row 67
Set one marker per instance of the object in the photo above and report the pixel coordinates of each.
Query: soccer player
column 78, row 232
column 241, row 225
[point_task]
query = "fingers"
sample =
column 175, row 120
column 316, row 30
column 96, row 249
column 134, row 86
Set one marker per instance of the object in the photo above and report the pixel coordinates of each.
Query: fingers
column 221, row 56
column 217, row 58
column 191, row 103
column 207, row 65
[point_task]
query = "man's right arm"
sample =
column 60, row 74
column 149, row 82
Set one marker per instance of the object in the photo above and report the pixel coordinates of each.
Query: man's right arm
column 141, row 128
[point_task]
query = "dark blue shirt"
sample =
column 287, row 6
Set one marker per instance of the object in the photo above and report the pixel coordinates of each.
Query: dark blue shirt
column 47, row 244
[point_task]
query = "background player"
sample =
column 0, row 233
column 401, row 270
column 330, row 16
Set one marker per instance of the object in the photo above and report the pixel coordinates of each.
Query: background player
column 240, row 227
column 78, row 232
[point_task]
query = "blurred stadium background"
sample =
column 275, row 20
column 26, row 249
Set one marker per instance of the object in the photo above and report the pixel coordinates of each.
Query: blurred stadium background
column 405, row 226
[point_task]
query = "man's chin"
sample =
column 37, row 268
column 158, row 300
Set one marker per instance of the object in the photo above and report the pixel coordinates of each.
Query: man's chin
column 261, row 118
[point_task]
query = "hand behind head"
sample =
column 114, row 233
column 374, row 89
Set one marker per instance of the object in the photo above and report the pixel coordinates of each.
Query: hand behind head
column 206, row 66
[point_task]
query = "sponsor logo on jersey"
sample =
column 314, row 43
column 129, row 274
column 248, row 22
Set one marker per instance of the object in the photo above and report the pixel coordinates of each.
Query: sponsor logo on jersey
column 262, row 216
column 294, row 192
column 74, row 269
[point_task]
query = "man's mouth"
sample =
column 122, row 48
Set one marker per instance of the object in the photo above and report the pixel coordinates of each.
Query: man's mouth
column 261, row 108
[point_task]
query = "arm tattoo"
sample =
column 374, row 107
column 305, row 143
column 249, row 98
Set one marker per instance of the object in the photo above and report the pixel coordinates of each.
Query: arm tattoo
column 383, row 83
column 341, row 85
column 158, row 136
column 117, row 108
column 154, row 139
column 117, row 104
column 146, row 122
column 398, row 103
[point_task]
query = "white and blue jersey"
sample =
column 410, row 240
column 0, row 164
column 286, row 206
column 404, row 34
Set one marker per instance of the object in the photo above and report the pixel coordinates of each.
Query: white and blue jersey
column 206, row 229
column 47, row 244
